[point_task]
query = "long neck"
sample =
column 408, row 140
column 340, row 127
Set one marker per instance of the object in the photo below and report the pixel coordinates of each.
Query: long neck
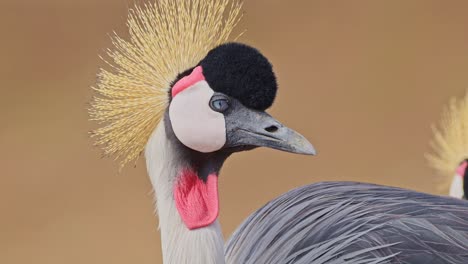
column 179, row 244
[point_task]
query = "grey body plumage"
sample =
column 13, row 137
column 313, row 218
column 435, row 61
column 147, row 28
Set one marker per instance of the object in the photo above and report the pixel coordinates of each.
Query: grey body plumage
column 347, row 222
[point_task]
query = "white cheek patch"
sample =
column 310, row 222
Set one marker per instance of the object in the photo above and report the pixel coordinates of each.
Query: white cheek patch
column 194, row 123
column 456, row 188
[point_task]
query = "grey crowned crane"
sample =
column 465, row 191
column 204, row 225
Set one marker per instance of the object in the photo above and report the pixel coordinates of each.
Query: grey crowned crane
column 187, row 98
column 450, row 145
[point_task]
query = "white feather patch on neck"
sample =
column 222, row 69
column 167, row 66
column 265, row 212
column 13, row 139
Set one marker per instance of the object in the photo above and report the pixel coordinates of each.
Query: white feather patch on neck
column 179, row 244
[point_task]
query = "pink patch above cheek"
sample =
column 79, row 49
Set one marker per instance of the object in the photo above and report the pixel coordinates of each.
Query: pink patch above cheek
column 197, row 201
column 189, row 80
column 462, row 168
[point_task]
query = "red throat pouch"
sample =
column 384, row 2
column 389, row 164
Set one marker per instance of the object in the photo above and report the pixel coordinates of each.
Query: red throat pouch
column 197, row 201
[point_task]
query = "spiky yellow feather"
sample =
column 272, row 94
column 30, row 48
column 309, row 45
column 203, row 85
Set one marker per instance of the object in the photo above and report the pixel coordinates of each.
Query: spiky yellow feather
column 165, row 39
column 450, row 142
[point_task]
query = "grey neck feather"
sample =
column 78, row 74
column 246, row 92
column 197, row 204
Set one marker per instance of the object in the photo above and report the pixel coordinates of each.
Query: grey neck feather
column 179, row 244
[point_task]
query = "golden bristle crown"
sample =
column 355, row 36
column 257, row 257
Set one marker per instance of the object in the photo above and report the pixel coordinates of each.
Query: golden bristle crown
column 165, row 39
column 450, row 142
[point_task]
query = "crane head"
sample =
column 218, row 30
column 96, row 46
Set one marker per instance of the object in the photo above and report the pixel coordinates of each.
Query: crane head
column 221, row 103
column 212, row 94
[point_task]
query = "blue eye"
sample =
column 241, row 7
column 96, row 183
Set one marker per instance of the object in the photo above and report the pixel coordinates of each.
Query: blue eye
column 219, row 104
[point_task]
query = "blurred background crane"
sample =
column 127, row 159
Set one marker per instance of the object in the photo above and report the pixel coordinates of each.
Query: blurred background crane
column 450, row 147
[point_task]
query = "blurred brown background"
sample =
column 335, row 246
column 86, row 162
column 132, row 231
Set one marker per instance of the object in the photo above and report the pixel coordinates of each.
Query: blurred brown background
column 363, row 80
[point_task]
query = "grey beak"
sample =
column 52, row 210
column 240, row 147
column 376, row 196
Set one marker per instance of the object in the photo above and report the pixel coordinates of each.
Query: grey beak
column 246, row 127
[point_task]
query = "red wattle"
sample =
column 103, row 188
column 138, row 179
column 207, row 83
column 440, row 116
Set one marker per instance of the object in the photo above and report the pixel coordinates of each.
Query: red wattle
column 197, row 201
column 189, row 80
column 461, row 169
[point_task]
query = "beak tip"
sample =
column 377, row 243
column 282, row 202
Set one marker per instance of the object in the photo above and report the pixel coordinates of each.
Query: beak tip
column 306, row 148
column 310, row 151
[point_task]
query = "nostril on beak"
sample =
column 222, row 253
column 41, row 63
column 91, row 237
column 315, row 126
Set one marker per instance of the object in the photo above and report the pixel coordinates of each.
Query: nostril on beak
column 271, row 129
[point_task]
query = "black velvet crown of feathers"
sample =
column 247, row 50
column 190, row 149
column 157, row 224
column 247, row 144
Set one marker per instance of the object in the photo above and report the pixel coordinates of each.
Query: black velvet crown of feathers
column 242, row 72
